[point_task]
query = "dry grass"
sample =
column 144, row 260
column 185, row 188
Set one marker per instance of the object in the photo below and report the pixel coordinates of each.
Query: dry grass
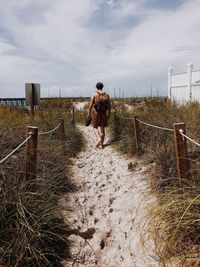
column 175, row 216
column 32, row 229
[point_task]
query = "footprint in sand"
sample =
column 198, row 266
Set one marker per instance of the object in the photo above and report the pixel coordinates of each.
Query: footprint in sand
column 119, row 200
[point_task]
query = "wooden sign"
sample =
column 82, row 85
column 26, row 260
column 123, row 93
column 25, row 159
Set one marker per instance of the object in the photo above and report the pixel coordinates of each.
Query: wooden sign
column 32, row 92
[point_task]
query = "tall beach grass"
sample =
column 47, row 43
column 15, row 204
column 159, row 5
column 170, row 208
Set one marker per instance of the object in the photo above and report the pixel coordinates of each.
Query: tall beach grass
column 175, row 215
column 32, row 229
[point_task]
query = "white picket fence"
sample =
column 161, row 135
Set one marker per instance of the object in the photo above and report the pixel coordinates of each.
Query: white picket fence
column 185, row 86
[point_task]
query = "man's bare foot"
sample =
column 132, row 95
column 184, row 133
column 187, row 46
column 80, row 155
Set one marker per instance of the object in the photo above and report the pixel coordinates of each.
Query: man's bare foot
column 98, row 144
column 101, row 146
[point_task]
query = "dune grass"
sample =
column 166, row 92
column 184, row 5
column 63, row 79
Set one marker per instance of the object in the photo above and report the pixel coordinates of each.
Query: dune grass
column 175, row 215
column 32, row 229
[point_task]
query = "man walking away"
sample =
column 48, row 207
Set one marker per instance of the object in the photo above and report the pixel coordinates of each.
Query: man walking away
column 99, row 110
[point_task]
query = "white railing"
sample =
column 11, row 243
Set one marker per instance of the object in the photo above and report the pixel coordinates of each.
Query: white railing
column 184, row 87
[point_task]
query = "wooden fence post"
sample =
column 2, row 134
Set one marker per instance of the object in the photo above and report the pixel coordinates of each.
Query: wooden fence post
column 182, row 161
column 62, row 131
column 31, row 153
column 137, row 135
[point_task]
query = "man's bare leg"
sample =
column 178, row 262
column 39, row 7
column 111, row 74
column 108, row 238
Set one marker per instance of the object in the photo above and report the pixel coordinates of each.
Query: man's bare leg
column 102, row 136
column 98, row 136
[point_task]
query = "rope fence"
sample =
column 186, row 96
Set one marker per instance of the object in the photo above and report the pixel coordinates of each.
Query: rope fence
column 70, row 121
column 155, row 126
column 187, row 137
column 180, row 141
column 11, row 153
column 31, row 146
column 51, row 131
column 145, row 123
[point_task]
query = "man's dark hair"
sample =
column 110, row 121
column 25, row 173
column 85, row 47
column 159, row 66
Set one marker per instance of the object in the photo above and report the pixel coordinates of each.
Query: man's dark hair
column 99, row 86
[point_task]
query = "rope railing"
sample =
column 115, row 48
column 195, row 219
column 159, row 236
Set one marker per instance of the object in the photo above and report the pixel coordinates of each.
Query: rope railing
column 11, row 153
column 30, row 135
column 155, row 126
column 181, row 151
column 32, row 143
column 187, row 137
column 51, row 131
column 143, row 122
column 66, row 123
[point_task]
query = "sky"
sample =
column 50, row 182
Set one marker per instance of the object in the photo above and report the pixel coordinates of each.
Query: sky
column 68, row 46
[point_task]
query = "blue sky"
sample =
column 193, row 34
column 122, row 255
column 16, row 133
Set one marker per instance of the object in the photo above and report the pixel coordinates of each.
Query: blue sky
column 126, row 44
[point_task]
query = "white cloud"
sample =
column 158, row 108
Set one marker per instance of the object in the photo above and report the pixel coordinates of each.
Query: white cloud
column 154, row 41
column 5, row 47
column 58, row 44
column 126, row 8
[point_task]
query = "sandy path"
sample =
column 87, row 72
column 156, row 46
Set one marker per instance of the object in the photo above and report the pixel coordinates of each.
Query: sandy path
column 113, row 200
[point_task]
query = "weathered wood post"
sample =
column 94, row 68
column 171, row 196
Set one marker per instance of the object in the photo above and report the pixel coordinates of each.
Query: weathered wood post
column 62, row 131
column 31, row 153
column 182, row 161
column 137, row 135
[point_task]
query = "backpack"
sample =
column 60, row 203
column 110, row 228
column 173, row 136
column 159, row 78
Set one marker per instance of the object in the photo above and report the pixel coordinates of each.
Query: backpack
column 102, row 102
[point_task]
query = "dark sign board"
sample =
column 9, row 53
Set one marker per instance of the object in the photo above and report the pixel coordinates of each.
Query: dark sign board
column 32, row 91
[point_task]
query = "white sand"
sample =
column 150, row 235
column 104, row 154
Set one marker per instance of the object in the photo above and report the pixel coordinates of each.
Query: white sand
column 114, row 201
